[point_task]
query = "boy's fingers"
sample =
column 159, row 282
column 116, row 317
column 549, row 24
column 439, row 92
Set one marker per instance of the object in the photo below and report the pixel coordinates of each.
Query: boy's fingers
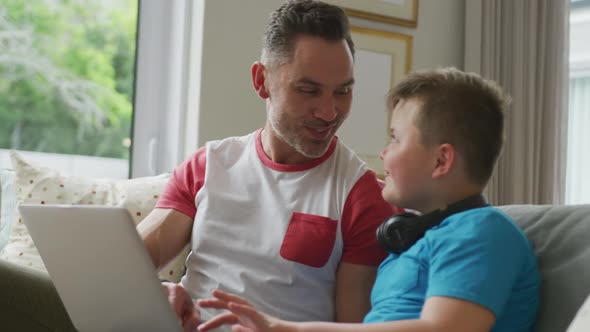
column 246, row 310
column 217, row 321
column 213, row 303
column 228, row 297
column 240, row 328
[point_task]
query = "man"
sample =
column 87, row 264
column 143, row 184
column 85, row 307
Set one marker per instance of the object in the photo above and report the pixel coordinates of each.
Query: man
column 285, row 216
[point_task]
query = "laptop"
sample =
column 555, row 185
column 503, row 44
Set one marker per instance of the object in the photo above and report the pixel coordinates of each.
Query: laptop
column 100, row 268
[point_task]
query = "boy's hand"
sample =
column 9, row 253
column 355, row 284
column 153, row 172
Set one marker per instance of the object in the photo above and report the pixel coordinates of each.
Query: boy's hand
column 242, row 315
column 183, row 306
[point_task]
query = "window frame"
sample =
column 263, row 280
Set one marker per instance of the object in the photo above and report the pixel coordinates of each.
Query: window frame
column 168, row 59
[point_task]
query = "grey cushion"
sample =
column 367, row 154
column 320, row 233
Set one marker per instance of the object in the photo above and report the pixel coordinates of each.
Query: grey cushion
column 561, row 238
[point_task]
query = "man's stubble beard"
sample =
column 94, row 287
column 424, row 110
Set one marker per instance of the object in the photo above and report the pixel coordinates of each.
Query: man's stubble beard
column 290, row 136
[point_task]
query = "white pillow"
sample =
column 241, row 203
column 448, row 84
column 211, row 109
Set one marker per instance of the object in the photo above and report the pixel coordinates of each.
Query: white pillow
column 39, row 185
column 581, row 322
column 7, row 204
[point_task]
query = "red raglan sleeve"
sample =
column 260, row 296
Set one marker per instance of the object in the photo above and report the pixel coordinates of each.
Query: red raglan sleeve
column 184, row 184
column 364, row 210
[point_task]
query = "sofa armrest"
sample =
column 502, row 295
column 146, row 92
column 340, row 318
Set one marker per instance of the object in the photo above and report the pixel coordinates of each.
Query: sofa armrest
column 561, row 238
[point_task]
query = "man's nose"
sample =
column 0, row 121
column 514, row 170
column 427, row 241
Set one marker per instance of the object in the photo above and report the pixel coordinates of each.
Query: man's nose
column 327, row 109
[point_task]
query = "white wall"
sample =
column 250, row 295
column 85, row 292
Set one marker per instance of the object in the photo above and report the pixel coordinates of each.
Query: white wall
column 232, row 40
column 439, row 36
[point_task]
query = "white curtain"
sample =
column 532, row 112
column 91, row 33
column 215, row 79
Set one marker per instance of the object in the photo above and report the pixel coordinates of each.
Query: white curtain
column 523, row 45
column 578, row 164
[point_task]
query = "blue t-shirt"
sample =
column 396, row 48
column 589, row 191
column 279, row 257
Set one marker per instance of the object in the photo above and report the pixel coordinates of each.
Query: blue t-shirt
column 479, row 255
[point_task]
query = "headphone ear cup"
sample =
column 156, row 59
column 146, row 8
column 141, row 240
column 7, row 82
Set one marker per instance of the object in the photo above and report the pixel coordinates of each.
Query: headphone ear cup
column 395, row 234
column 398, row 233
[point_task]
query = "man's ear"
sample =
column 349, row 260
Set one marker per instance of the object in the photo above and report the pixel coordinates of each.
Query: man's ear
column 444, row 160
column 258, row 79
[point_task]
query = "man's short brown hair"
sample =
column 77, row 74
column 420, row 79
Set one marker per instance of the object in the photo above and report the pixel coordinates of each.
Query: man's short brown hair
column 461, row 109
column 302, row 17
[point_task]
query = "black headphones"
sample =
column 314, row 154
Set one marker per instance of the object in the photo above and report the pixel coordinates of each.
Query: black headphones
column 398, row 233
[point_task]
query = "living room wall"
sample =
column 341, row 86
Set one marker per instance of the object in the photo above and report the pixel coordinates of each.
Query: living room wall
column 232, row 40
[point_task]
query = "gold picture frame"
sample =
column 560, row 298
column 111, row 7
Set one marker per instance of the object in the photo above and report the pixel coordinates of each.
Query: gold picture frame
column 398, row 12
column 382, row 59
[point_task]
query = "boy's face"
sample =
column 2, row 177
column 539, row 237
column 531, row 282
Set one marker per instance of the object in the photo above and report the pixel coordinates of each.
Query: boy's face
column 407, row 163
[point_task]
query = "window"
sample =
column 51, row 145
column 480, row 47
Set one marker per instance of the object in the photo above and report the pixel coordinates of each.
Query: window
column 578, row 160
column 66, row 83
column 165, row 127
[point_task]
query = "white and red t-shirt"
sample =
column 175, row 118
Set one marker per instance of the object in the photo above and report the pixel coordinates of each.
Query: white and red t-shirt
column 276, row 233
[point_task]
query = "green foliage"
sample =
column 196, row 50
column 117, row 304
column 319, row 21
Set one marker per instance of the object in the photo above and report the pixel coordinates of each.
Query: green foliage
column 66, row 75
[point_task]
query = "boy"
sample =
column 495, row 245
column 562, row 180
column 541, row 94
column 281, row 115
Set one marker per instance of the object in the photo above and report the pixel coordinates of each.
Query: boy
column 473, row 269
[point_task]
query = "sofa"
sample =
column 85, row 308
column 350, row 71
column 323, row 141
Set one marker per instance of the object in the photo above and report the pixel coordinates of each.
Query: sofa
column 561, row 238
column 559, row 234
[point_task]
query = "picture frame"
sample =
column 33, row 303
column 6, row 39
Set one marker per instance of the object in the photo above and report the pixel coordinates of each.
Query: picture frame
column 398, row 12
column 381, row 60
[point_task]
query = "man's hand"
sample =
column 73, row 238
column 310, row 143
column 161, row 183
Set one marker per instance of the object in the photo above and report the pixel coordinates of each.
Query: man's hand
column 183, row 306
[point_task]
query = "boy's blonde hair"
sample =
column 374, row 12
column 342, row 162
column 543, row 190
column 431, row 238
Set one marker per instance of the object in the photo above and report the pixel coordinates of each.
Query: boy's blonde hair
column 461, row 109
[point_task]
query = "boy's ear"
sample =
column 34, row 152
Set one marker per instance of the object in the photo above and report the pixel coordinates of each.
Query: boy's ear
column 258, row 79
column 444, row 160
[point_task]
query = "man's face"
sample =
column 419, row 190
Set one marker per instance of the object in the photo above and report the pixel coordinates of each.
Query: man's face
column 310, row 96
column 407, row 163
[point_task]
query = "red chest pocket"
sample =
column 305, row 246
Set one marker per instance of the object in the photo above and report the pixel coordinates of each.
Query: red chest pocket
column 309, row 239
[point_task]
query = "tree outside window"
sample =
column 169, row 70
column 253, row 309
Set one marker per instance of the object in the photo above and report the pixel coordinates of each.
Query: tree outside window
column 66, row 76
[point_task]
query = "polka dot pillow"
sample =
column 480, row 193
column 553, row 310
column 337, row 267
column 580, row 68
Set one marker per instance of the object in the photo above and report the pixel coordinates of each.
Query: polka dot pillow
column 39, row 185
